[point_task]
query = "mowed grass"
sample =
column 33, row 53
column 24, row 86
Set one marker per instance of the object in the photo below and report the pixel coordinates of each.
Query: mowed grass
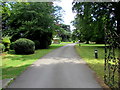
column 13, row 65
column 86, row 52
column 66, row 42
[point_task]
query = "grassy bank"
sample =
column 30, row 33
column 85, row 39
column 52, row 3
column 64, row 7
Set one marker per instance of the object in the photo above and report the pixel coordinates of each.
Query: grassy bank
column 86, row 52
column 13, row 65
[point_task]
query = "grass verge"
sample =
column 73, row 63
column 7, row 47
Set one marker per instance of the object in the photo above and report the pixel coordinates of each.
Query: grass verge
column 86, row 52
column 66, row 42
column 13, row 65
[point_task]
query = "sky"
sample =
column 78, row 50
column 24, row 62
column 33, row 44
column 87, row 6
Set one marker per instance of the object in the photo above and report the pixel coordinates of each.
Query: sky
column 68, row 15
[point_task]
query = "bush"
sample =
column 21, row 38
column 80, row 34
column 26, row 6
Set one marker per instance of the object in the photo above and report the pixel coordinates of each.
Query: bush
column 37, row 44
column 2, row 47
column 12, row 46
column 6, row 42
column 24, row 46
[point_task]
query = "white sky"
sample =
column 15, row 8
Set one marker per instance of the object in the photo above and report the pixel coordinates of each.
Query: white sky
column 68, row 15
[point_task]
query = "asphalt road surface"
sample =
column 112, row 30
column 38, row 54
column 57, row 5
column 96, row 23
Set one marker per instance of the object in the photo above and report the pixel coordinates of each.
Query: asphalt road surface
column 61, row 68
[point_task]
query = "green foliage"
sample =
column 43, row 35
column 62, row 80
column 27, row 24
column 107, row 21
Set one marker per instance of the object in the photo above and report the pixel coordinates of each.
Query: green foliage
column 37, row 44
column 82, row 21
column 45, row 40
column 31, row 20
column 24, row 46
column 12, row 46
column 92, row 17
column 63, row 31
column 6, row 42
column 2, row 47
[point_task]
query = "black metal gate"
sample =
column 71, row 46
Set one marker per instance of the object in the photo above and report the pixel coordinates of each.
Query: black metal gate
column 112, row 55
column 112, row 62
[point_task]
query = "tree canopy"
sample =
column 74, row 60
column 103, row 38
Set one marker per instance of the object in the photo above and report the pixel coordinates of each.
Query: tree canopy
column 92, row 17
column 33, row 20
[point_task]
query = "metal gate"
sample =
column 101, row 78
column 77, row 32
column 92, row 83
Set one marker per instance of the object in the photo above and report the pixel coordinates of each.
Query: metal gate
column 112, row 56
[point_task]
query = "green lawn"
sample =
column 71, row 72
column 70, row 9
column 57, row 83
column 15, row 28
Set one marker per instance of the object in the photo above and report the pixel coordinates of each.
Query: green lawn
column 86, row 52
column 66, row 42
column 82, row 44
column 13, row 65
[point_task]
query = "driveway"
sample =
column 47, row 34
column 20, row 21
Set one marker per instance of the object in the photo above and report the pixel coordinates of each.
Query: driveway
column 61, row 68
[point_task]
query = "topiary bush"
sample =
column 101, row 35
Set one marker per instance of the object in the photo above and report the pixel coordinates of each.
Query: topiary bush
column 6, row 42
column 24, row 46
column 2, row 47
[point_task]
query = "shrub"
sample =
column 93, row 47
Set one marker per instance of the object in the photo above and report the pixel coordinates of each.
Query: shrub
column 6, row 42
column 37, row 44
column 2, row 47
column 12, row 46
column 24, row 46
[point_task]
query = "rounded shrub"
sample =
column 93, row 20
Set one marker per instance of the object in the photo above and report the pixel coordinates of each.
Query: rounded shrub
column 2, row 47
column 24, row 46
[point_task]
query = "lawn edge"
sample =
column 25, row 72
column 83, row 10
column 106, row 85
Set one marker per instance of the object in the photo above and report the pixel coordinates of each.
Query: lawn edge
column 97, row 78
column 14, row 78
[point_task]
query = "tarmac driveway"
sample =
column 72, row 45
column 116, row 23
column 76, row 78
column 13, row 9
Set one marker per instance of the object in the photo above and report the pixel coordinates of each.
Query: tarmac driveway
column 61, row 68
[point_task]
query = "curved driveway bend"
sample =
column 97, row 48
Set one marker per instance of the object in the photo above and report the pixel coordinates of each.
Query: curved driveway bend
column 61, row 68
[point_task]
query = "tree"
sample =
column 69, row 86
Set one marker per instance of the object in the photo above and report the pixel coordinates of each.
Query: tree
column 83, row 20
column 32, row 20
column 63, row 32
column 66, row 33
column 92, row 17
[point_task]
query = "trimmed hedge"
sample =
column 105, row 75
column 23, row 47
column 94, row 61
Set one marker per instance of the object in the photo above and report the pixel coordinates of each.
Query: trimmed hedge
column 24, row 46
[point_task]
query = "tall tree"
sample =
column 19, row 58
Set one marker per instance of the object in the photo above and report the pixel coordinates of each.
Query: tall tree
column 32, row 20
column 92, row 17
